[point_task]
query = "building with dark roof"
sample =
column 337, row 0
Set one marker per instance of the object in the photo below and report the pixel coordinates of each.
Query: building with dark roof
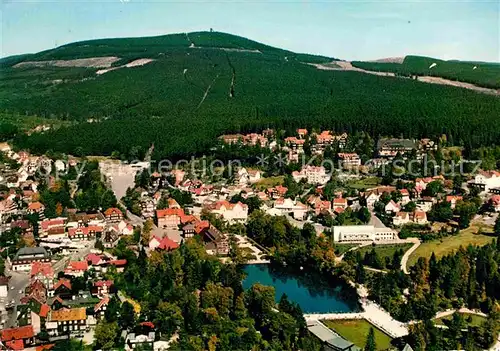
column 331, row 341
column 27, row 255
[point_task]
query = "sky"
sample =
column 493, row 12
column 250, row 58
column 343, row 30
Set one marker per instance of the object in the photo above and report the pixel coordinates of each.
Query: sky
column 350, row 30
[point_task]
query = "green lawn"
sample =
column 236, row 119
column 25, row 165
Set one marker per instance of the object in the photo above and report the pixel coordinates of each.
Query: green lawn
column 476, row 321
column 343, row 248
column 449, row 244
column 384, row 251
column 26, row 123
column 356, row 331
column 270, row 182
column 364, row 183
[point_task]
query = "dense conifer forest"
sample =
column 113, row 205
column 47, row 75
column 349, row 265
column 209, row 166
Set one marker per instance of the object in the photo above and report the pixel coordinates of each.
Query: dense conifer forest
column 203, row 84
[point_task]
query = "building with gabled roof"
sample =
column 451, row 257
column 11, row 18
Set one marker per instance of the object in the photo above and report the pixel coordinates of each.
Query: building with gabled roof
column 26, row 256
column 76, row 268
column 20, row 335
column 169, row 218
column 164, row 243
column 43, row 272
column 67, row 320
column 113, row 214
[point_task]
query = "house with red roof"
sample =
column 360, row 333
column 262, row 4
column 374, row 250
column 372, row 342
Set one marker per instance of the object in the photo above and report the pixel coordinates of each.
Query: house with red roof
column 495, row 201
column 405, row 196
column 100, row 307
column 35, row 207
column 17, row 338
column 164, row 243
column 453, row 199
column 392, row 207
column 102, row 287
column 36, row 290
column 232, row 213
column 95, row 259
column 52, row 228
column 113, row 214
column 43, row 272
column 339, row 202
column 169, row 218
column 85, row 233
column 118, row 264
column 62, row 288
column 76, row 268
column 420, row 217
column 486, row 180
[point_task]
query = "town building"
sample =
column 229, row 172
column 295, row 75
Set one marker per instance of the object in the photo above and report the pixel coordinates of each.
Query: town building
column 360, row 233
column 232, row 213
column 169, row 218
column 389, row 148
column 330, row 340
column 67, row 320
column 164, row 243
column 85, row 233
column 43, row 272
column 486, row 181
column 349, row 160
column 312, row 174
column 113, row 214
column 287, row 206
column 27, row 255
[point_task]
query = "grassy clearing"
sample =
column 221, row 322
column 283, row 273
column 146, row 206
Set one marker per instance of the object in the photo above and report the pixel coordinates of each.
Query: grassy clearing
column 449, row 244
column 364, row 183
column 356, row 331
column 269, row 182
column 26, row 123
column 384, row 251
column 475, row 321
column 343, row 248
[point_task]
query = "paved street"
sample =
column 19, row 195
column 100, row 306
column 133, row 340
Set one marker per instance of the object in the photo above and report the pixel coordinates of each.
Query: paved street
column 18, row 281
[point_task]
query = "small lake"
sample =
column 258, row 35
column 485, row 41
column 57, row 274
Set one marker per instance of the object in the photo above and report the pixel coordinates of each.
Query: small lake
column 310, row 291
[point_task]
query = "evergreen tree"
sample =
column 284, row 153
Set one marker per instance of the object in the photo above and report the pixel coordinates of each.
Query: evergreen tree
column 370, row 344
column 496, row 228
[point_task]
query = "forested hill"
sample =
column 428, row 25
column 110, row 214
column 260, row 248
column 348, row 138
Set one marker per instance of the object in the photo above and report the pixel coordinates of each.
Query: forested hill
column 181, row 91
column 154, row 47
column 484, row 74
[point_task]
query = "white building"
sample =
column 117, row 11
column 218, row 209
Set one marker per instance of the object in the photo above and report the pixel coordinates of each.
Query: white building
column 486, row 180
column 232, row 213
column 349, row 160
column 357, row 233
column 4, row 286
column 313, row 175
column 392, row 207
column 297, row 208
column 249, row 176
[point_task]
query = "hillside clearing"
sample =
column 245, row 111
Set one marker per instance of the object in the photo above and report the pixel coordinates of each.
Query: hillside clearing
column 91, row 62
column 449, row 244
column 135, row 63
column 475, row 320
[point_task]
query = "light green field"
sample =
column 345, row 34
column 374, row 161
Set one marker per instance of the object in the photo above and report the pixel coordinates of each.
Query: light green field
column 343, row 248
column 270, row 182
column 384, row 251
column 475, row 322
column 26, row 123
column 365, row 183
column 356, row 331
column 449, row 244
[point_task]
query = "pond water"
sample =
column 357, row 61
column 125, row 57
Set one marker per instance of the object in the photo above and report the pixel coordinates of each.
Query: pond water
column 311, row 292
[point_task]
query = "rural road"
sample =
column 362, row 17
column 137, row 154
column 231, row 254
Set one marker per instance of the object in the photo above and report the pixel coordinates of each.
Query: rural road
column 406, row 256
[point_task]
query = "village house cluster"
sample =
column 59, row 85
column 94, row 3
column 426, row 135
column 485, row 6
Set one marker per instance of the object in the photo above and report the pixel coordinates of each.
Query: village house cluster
column 68, row 290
